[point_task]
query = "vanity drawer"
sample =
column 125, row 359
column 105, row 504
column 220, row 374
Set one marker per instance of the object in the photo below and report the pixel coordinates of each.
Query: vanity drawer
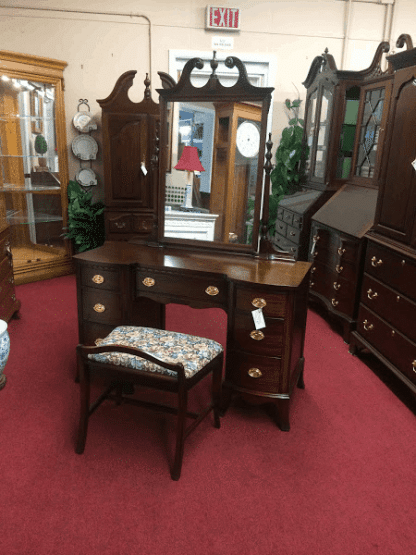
column 205, row 289
column 267, row 341
column 92, row 331
column 254, row 372
column 390, row 343
column 393, row 268
column 399, row 311
column 100, row 277
column 250, row 299
column 101, row 306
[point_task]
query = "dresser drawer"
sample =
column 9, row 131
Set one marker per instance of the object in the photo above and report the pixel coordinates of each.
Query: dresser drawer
column 393, row 268
column 284, row 245
column 281, row 227
column 101, row 306
column 396, row 309
column 339, row 292
column 6, row 269
column 390, row 343
column 293, row 234
column 268, row 341
column 254, row 372
column 248, row 299
column 205, row 289
column 100, row 277
column 297, row 221
column 339, row 269
column 92, row 331
column 288, row 217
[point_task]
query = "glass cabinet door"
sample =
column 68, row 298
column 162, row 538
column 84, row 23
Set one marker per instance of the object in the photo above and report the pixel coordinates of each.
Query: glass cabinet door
column 33, row 171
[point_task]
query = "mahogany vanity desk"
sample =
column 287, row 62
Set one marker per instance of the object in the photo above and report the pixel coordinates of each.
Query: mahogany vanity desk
column 123, row 283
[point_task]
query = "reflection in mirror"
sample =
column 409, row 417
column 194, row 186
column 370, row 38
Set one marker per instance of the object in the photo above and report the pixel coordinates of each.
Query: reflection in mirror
column 212, row 170
column 30, row 198
column 352, row 101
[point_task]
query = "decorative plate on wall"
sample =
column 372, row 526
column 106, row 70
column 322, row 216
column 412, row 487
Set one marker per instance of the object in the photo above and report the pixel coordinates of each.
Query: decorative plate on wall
column 83, row 122
column 85, row 147
column 86, row 177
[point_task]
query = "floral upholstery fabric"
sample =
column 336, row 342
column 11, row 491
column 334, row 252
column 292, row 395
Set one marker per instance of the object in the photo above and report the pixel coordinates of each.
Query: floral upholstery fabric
column 172, row 347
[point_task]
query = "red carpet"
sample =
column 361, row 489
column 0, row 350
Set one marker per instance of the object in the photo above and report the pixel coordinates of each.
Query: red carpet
column 342, row 481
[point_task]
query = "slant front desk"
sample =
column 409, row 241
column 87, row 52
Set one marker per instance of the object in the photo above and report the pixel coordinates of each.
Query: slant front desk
column 123, row 283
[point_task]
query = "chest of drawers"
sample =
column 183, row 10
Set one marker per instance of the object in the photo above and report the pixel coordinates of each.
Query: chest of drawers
column 387, row 310
column 9, row 305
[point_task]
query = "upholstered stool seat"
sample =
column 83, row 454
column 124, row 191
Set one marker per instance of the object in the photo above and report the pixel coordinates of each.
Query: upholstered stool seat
column 154, row 358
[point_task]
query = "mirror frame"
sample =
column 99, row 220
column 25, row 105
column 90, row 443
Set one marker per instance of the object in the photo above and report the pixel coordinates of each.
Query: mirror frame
column 212, row 91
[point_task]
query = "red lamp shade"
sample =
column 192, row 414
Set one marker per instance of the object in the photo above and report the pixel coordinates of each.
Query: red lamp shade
column 189, row 160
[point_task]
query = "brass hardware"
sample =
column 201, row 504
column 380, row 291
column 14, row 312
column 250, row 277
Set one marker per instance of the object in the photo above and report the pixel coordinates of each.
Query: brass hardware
column 338, row 268
column 316, row 238
column 393, row 333
column 403, row 262
column 315, row 253
column 371, row 294
column 258, row 335
column 258, row 302
column 367, row 325
column 98, row 341
column 414, row 365
column 232, row 236
column 375, row 262
column 336, row 286
column 340, row 251
column 98, row 279
column 120, row 225
column 148, row 282
column 292, row 233
column 334, row 302
column 99, row 307
column 312, row 283
column 212, row 290
column 254, row 373
column 313, row 269
column 398, row 298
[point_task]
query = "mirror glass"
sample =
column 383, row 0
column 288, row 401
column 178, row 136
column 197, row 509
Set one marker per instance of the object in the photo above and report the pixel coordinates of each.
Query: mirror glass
column 30, row 188
column 212, row 169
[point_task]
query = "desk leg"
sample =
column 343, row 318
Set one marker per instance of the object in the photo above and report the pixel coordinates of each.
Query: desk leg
column 226, row 397
column 279, row 412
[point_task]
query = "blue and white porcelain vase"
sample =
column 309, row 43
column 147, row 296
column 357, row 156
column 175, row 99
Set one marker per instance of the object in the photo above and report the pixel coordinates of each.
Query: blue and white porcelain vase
column 4, row 350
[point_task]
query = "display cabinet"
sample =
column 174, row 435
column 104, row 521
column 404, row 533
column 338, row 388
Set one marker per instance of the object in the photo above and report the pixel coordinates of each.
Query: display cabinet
column 33, row 161
column 334, row 105
column 388, row 296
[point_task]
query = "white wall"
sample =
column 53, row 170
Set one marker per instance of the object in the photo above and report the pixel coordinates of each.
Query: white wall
column 99, row 46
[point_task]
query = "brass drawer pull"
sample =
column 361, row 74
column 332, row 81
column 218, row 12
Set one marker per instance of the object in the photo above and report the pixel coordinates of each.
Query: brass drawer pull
column 367, row 325
column 254, row 373
column 313, row 269
column 375, row 262
column 414, row 365
column 336, row 285
column 315, row 254
column 340, row 251
column 334, row 302
column 315, row 238
column 371, row 294
column 292, row 233
column 148, row 282
column 98, row 279
column 98, row 341
column 212, row 290
column 99, row 307
column 257, row 335
column 338, row 268
column 311, row 284
column 120, row 225
column 259, row 302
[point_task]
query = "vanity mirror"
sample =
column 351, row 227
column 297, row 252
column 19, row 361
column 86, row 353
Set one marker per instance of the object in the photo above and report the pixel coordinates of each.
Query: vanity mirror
column 212, row 159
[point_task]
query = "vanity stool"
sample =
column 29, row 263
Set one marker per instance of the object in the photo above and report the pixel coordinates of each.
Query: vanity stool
column 153, row 358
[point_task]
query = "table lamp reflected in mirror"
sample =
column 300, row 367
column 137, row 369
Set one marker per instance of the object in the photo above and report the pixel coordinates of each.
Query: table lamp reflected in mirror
column 189, row 162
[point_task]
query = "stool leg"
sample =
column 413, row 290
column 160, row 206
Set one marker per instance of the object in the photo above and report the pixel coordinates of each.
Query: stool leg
column 84, row 375
column 180, row 433
column 216, row 393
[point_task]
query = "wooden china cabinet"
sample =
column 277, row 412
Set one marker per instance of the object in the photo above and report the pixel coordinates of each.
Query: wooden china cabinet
column 263, row 292
column 388, row 296
column 130, row 172
column 33, row 159
column 337, row 243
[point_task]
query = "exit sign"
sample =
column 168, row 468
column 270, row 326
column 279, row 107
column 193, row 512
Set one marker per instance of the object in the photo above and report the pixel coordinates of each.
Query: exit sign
column 225, row 19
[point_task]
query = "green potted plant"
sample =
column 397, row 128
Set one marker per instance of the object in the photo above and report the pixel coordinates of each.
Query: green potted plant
column 85, row 219
column 288, row 172
column 41, row 147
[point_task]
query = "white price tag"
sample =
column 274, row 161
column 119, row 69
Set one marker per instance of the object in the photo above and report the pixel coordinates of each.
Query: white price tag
column 143, row 168
column 258, row 318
